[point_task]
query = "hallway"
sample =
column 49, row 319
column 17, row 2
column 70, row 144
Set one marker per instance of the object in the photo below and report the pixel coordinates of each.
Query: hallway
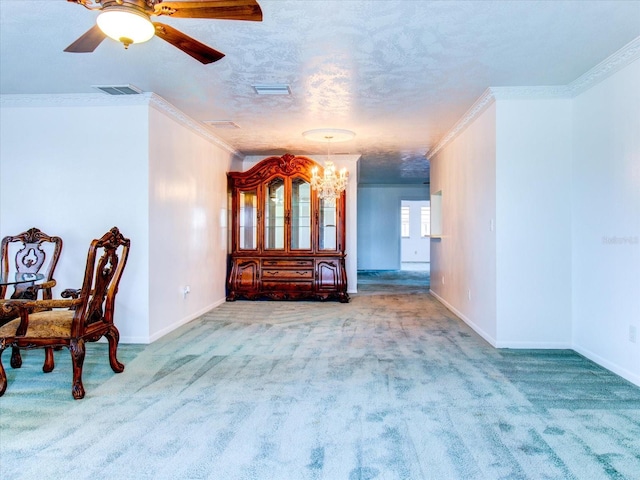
column 405, row 281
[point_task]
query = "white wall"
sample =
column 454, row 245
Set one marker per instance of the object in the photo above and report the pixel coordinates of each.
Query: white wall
column 567, row 216
column 606, row 222
column 415, row 247
column 73, row 167
column 378, row 219
column 508, row 170
column 187, row 223
column 533, row 223
column 463, row 261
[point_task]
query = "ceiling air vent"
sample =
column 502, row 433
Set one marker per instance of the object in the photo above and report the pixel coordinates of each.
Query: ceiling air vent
column 272, row 89
column 118, row 89
column 221, row 123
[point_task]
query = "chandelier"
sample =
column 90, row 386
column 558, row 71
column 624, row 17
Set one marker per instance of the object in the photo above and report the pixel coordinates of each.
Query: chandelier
column 330, row 185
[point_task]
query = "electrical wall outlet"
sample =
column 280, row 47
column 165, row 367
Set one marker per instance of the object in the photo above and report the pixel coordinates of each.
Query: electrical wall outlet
column 633, row 333
column 186, row 291
column 469, row 294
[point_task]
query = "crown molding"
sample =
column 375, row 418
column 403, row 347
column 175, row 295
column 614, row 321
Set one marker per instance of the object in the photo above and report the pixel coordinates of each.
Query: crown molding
column 492, row 94
column 102, row 100
column 160, row 104
column 480, row 105
column 526, row 93
column 623, row 57
column 615, row 62
column 70, row 100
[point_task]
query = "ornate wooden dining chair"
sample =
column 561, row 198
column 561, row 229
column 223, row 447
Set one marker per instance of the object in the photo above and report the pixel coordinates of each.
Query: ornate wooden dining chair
column 30, row 249
column 29, row 252
column 85, row 317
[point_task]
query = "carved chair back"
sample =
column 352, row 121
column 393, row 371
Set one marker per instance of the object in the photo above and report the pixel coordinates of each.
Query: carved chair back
column 31, row 251
column 106, row 260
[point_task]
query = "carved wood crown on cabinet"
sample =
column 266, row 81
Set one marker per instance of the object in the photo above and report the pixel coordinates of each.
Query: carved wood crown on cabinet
column 286, row 243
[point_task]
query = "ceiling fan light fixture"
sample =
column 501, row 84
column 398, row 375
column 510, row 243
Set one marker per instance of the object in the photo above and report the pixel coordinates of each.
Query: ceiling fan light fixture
column 125, row 25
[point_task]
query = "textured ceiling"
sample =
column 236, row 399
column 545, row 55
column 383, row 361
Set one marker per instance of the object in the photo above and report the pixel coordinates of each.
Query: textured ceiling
column 398, row 73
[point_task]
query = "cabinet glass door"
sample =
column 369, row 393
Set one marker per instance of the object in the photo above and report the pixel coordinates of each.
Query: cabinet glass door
column 248, row 220
column 300, row 214
column 328, row 230
column 274, row 205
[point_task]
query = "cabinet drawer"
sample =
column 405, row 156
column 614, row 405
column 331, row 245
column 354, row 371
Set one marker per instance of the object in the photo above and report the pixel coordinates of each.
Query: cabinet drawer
column 294, row 274
column 288, row 263
column 290, row 286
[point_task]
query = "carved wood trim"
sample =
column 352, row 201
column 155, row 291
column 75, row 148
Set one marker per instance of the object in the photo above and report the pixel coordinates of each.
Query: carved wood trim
column 287, row 165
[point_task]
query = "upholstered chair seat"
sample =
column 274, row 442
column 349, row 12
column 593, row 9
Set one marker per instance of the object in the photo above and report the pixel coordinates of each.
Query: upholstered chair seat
column 48, row 324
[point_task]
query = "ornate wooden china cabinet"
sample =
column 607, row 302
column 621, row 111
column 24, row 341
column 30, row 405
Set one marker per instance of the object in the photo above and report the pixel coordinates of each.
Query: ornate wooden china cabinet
column 286, row 243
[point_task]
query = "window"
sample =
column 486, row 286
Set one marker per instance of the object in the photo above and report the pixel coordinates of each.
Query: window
column 404, row 218
column 425, row 221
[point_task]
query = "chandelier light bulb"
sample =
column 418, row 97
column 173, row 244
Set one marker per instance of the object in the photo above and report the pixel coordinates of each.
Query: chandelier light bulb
column 331, row 184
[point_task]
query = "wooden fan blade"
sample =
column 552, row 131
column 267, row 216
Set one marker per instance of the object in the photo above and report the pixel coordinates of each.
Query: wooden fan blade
column 218, row 9
column 87, row 42
column 188, row 45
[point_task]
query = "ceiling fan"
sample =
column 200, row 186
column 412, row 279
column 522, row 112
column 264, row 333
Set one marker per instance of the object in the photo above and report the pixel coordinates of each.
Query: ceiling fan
column 128, row 21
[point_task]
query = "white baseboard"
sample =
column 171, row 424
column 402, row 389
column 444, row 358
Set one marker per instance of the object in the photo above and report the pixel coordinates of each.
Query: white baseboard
column 476, row 328
column 624, row 373
column 128, row 339
column 535, row 345
column 185, row 320
column 173, row 326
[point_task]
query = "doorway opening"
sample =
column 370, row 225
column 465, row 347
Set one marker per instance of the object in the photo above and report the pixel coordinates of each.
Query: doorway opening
column 415, row 233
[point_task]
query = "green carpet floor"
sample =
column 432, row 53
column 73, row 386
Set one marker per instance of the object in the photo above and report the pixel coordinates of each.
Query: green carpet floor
column 389, row 386
column 393, row 281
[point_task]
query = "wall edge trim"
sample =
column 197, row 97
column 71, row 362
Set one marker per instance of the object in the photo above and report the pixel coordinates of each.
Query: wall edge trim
column 183, row 321
column 610, row 65
column 101, row 100
column 612, row 367
column 479, row 106
column 162, row 105
column 70, row 100
column 488, row 338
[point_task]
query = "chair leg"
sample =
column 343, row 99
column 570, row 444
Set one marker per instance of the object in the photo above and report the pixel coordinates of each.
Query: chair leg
column 113, row 336
column 16, row 358
column 48, row 360
column 3, row 375
column 77, row 350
